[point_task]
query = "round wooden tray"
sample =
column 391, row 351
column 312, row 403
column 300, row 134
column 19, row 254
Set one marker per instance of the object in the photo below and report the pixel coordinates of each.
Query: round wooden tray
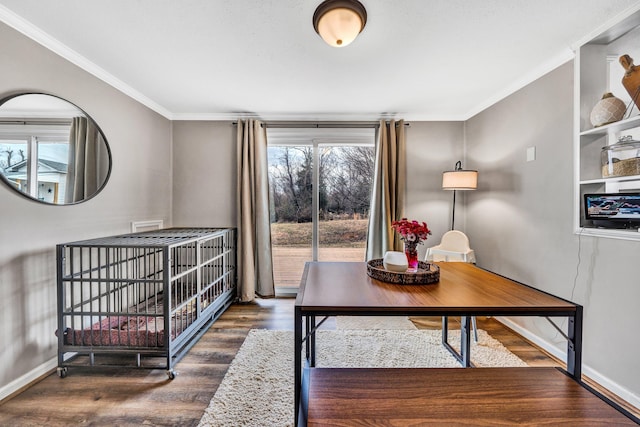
column 427, row 273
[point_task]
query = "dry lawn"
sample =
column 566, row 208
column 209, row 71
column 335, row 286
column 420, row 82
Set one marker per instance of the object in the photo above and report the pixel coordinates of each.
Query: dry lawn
column 340, row 240
column 347, row 233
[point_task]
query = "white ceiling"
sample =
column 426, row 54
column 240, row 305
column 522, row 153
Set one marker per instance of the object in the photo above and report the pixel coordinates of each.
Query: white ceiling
column 215, row 59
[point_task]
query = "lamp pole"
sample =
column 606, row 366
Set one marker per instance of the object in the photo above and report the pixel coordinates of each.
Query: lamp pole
column 453, row 211
column 456, row 168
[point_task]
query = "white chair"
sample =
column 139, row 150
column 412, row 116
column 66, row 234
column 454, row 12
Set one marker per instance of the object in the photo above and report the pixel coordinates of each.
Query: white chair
column 454, row 247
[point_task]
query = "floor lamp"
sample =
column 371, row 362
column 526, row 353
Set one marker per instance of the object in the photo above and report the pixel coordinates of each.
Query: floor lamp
column 459, row 179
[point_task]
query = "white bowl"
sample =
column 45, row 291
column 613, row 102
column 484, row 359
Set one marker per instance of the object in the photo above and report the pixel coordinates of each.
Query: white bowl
column 395, row 261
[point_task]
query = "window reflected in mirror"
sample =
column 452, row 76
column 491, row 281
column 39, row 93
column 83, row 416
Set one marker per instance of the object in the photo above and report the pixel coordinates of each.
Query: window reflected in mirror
column 50, row 150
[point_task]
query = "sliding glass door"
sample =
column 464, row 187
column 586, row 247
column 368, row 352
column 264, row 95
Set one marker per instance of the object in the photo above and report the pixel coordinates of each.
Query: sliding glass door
column 291, row 196
column 320, row 196
column 346, row 176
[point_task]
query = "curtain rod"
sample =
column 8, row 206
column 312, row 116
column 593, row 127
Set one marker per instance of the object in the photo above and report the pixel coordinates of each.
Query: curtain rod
column 321, row 125
column 61, row 122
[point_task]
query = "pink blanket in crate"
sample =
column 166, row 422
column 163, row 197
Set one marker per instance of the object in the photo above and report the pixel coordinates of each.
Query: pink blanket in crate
column 129, row 331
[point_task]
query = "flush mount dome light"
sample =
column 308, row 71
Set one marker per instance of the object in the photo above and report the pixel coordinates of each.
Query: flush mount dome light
column 339, row 21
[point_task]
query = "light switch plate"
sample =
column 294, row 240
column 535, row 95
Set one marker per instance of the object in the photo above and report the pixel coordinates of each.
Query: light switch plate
column 531, row 154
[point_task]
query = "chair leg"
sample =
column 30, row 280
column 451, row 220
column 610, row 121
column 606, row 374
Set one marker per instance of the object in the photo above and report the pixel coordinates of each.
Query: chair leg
column 474, row 327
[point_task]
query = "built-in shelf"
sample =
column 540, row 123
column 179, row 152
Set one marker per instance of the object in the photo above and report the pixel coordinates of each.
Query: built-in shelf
column 595, row 76
column 609, row 232
column 612, row 179
column 630, row 123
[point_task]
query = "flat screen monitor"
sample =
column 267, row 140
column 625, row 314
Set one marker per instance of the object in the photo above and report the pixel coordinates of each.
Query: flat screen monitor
column 613, row 208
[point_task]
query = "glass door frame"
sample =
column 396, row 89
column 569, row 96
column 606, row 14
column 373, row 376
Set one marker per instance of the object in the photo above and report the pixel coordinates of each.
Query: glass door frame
column 317, row 138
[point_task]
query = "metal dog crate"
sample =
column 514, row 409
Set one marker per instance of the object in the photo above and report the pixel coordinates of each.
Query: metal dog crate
column 146, row 295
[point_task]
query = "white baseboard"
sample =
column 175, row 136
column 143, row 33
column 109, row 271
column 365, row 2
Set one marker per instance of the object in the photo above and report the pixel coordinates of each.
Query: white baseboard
column 27, row 378
column 615, row 388
column 286, row 291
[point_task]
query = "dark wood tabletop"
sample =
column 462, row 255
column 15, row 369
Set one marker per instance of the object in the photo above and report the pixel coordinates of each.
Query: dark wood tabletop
column 345, row 287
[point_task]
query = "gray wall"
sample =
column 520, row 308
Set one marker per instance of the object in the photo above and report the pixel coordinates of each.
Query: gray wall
column 520, row 224
column 433, row 147
column 139, row 189
column 204, row 174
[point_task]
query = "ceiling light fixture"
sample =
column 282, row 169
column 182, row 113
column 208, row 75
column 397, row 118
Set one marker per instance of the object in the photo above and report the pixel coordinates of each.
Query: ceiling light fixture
column 339, row 21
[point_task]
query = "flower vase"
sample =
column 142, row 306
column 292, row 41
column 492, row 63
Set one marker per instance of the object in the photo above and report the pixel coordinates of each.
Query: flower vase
column 411, row 251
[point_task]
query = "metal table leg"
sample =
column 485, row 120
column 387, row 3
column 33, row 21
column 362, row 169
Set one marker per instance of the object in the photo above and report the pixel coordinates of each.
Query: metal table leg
column 445, row 330
column 297, row 375
column 574, row 345
column 311, row 337
column 301, row 382
column 465, row 341
column 464, row 357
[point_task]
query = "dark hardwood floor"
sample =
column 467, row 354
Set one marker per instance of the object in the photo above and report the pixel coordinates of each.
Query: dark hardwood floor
column 134, row 397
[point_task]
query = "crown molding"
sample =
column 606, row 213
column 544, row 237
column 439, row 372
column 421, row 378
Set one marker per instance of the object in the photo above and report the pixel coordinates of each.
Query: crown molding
column 46, row 40
column 543, row 69
column 316, row 117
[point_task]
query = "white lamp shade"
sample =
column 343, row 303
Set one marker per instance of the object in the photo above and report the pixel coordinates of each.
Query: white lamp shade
column 460, row 180
column 339, row 27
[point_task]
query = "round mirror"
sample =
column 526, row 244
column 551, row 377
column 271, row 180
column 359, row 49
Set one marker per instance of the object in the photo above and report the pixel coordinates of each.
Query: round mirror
column 50, row 150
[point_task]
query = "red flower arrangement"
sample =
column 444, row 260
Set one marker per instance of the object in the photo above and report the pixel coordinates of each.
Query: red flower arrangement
column 411, row 231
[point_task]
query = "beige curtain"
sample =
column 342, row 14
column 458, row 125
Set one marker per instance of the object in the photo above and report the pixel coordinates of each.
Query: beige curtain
column 255, row 266
column 88, row 161
column 387, row 200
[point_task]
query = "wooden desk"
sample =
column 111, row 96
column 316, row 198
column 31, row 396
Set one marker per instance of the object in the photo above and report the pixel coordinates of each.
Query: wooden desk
column 344, row 288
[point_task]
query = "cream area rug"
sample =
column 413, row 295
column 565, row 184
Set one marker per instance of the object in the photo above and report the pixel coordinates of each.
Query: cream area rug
column 374, row 322
column 258, row 387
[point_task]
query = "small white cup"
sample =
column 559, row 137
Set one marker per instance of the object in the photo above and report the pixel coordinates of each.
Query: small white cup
column 395, row 261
